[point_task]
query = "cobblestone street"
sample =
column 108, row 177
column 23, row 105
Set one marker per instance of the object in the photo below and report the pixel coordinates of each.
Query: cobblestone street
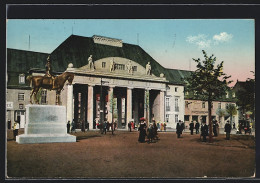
column 121, row 156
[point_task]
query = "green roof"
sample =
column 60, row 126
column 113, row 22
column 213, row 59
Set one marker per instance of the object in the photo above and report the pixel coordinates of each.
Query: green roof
column 20, row 62
column 77, row 49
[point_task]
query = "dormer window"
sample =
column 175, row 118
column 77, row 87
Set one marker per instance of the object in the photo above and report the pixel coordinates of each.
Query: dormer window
column 227, row 95
column 21, row 79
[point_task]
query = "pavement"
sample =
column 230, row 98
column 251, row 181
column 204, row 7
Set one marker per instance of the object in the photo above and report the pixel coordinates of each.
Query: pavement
column 96, row 156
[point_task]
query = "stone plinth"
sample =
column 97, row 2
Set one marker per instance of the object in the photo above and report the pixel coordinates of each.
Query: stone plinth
column 45, row 124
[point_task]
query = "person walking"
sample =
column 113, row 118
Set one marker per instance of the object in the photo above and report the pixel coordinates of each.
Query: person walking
column 68, row 127
column 73, row 129
column 87, row 125
column 191, row 127
column 142, row 131
column 16, row 129
column 204, row 131
column 215, row 128
column 105, row 127
column 132, row 125
column 129, row 126
column 197, row 127
column 182, row 125
column 179, row 129
column 164, row 126
column 227, row 130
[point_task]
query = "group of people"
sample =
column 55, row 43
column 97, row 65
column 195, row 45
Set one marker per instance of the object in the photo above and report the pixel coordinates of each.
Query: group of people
column 204, row 129
column 71, row 127
column 196, row 126
column 149, row 132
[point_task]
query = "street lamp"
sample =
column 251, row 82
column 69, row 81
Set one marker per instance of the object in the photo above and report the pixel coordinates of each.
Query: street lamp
column 101, row 106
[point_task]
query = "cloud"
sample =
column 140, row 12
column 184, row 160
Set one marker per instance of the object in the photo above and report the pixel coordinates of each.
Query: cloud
column 222, row 37
column 203, row 42
column 200, row 40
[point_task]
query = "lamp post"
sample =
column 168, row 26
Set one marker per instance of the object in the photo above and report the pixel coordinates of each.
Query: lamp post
column 102, row 104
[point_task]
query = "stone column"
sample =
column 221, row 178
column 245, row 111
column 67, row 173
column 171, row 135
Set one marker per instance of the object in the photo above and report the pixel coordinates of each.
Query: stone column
column 110, row 93
column 162, row 105
column 70, row 103
column 129, row 105
column 90, row 106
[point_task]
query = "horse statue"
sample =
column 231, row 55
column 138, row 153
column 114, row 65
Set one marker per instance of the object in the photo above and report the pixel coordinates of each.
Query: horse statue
column 51, row 83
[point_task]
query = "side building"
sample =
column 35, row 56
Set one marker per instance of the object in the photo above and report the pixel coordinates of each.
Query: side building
column 197, row 109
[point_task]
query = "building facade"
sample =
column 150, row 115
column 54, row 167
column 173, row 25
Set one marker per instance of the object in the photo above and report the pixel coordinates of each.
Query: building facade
column 113, row 80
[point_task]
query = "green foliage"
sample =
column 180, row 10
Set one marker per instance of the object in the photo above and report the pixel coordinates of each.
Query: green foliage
column 208, row 82
column 231, row 109
column 246, row 98
column 221, row 112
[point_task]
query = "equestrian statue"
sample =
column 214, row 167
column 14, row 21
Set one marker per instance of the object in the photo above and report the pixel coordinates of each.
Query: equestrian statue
column 48, row 81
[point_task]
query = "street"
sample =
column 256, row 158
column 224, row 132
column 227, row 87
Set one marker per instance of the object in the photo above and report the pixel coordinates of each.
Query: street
column 121, row 156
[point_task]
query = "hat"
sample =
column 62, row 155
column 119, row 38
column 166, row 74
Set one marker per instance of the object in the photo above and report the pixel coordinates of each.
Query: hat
column 142, row 119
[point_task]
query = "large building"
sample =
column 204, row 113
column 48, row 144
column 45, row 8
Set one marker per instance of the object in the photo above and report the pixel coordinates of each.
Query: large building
column 119, row 71
column 108, row 74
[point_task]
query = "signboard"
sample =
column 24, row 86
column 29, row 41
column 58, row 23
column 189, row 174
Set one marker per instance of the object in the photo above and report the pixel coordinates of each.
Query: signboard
column 9, row 105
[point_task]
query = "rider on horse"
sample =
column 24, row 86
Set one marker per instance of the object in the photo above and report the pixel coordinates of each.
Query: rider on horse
column 49, row 71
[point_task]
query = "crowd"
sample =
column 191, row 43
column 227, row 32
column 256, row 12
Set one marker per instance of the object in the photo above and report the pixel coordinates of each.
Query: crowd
column 150, row 133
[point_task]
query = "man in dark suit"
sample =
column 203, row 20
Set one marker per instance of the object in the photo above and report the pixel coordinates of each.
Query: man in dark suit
column 227, row 130
column 179, row 129
column 191, row 127
column 204, row 131
column 197, row 126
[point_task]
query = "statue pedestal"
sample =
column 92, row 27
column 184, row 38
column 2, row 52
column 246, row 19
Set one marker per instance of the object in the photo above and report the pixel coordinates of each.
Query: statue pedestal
column 45, row 124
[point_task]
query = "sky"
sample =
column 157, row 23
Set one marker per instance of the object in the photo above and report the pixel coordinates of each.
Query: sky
column 171, row 42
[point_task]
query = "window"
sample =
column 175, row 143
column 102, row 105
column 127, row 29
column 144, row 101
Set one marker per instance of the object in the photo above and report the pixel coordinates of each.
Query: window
column 103, row 64
column 176, row 89
column 21, row 96
column 203, row 105
column 219, row 105
column 226, row 105
column 167, row 117
column 233, row 95
column 177, row 104
column 44, row 97
column 20, row 106
column 120, row 66
column 176, row 118
column 134, row 68
column 167, row 104
column 186, row 118
column 227, row 95
column 21, row 79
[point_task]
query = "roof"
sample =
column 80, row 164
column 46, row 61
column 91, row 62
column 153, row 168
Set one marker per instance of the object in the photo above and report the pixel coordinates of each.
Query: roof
column 177, row 76
column 21, row 61
column 76, row 49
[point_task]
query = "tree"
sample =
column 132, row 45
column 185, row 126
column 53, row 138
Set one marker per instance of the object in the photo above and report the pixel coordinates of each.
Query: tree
column 231, row 110
column 246, row 97
column 208, row 82
column 221, row 113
